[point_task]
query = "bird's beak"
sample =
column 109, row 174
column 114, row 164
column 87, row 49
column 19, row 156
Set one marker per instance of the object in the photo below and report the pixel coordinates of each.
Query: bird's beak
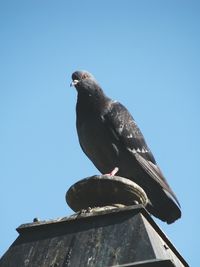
column 74, row 82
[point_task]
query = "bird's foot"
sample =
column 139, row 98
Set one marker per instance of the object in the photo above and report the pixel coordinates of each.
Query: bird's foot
column 113, row 172
column 88, row 210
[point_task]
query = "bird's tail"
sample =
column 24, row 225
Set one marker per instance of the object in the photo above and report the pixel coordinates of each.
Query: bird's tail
column 163, row 202
column 167, row 209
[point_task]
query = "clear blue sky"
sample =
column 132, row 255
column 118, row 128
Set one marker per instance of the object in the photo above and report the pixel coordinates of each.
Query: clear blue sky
column 145, row 54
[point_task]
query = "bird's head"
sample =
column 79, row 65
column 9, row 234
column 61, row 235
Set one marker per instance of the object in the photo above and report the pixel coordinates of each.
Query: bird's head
column 85, row 83
column 81, row 76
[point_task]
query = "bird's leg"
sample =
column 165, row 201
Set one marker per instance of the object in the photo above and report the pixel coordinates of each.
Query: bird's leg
column 113, row 172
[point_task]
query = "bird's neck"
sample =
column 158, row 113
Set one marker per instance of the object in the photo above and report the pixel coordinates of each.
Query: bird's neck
column 91, row 103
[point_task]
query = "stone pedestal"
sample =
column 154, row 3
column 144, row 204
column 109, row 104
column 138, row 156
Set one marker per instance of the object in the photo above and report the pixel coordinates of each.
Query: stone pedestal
column 116, row 237
column 104, row 190
column 110, row 228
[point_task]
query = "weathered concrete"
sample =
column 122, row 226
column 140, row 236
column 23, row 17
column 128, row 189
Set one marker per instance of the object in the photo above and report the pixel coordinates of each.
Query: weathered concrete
column 117, row 236
column 104, row 190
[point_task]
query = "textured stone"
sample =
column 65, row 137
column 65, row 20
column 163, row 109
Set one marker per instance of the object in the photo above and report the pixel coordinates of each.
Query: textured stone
column 104, row 190
column 102, row 238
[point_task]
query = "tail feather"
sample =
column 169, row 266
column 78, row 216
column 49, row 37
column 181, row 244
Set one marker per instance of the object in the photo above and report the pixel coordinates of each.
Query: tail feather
column 163, row 202
column 167, row 209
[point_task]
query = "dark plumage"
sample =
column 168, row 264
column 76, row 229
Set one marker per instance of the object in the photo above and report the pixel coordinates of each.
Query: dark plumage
column 110, row 137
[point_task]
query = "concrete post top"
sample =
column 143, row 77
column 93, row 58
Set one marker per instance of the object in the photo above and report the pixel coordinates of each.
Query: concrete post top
column 104, row 190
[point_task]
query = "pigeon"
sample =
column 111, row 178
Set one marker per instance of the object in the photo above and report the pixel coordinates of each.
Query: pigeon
column 111, row 139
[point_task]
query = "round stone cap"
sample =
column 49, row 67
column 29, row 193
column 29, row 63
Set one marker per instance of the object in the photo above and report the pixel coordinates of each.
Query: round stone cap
column 104, row 190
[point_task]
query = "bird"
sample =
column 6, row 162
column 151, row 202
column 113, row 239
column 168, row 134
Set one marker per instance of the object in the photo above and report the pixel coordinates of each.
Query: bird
column 111, row 139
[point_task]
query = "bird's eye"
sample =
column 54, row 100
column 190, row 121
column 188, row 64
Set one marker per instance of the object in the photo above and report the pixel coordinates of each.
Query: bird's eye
column 84, row 76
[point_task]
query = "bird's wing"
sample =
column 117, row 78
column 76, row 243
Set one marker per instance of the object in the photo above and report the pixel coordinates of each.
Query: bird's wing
column 124, row 128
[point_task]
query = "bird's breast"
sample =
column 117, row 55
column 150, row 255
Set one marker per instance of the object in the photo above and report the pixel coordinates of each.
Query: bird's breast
column 95, row 141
